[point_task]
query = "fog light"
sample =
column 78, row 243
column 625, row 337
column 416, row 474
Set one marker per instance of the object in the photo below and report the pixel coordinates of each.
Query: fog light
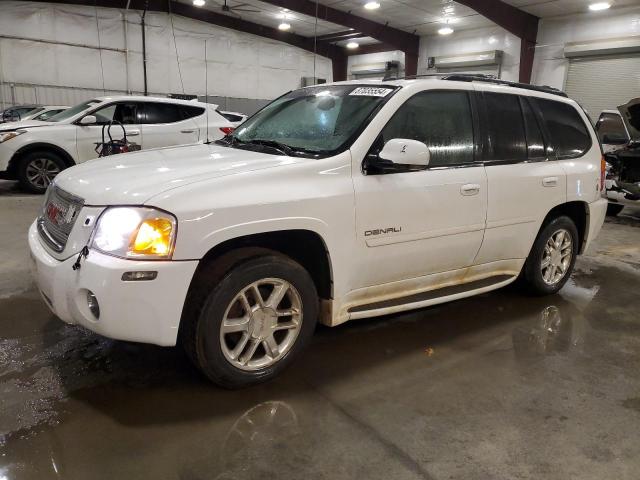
column 92, row 302
column 138, row 276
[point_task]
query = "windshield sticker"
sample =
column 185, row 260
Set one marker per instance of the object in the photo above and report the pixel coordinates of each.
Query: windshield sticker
column 371, row 91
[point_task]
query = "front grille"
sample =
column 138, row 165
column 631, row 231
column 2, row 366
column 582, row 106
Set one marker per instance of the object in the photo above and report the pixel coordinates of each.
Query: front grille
column 60, row 211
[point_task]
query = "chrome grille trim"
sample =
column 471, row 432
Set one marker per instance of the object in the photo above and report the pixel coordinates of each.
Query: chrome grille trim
column 56, row 233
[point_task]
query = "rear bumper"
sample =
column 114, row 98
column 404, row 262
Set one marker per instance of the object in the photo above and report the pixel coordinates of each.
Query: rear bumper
column 597, row 213
column 141, row 311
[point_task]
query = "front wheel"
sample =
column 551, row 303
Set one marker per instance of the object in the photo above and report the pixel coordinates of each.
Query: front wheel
column 552, row 256
column 37, row 170
column 253, row 321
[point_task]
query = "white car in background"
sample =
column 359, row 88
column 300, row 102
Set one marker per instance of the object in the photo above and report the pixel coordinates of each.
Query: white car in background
column 34, row 152
column 236, row 118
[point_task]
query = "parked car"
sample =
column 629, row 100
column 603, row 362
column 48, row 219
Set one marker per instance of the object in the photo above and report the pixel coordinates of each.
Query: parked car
column 44, row 113
column 35, row 152
column 333, row 203
column 15, row 113
column 623, row 162
column 612, row 131
column 236, row 118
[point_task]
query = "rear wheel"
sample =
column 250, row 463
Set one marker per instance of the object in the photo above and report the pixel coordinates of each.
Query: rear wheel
column 253, row 321
column 552, row 256
column 614, row 209
column 37, row 170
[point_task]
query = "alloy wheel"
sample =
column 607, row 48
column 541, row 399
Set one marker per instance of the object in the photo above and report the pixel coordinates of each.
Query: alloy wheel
column 557, row 256
column 40, row 172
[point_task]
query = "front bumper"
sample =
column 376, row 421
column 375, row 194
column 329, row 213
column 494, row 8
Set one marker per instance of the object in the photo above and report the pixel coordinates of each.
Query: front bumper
column 139, row 311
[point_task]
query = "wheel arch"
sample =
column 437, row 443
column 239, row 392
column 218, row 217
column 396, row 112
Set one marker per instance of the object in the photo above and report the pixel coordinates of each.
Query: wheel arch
column 39, row 146
column 578, row 211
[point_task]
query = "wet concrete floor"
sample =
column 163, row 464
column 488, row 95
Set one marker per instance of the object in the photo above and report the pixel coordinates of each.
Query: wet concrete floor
column 500, row 386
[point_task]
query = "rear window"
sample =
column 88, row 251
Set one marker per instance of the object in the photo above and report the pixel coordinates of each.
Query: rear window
column 506, row 127
column 156, row 112
column 189, row 111
column 567, row 131
column 231, row 117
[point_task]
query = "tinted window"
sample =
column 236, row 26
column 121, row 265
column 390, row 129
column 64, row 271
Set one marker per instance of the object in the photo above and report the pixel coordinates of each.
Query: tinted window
column 505, row 126
column 231, row 117
column 162, row 112
column 189, row 112
column 440, row 119
column 125, row 113
column 535, row 141
column 568, row 133
column 611, row 125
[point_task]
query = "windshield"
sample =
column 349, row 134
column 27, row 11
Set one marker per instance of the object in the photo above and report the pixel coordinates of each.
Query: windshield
column 315, row 120
column 73, row 111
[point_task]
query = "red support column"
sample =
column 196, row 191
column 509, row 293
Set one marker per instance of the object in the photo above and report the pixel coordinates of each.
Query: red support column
column 410, row 64
column 527, row 53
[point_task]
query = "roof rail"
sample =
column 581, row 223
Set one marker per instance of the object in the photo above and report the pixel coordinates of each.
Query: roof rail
column 475, row 77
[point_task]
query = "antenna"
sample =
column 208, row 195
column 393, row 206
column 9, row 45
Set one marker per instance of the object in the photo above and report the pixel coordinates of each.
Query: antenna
column 206, row 87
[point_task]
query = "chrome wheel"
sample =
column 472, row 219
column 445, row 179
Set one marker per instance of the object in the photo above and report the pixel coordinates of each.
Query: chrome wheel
column 557, row 256
column 40, row 172
column 261, row 324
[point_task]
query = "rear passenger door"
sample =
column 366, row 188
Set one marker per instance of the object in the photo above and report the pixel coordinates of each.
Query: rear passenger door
column 525, row 180
column 167, row 124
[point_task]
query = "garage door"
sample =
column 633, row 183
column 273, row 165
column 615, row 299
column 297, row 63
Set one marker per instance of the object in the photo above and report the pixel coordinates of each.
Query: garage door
column 604, row 82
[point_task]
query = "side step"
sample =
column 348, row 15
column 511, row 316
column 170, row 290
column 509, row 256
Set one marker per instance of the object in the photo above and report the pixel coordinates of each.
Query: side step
column 430, row 297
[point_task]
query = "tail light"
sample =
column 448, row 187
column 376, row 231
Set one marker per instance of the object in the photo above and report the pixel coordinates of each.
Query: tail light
column 227, row 130
column 603, row 172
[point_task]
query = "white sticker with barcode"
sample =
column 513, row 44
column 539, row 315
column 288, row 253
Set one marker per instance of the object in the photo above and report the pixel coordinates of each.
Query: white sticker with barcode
column 371, row 92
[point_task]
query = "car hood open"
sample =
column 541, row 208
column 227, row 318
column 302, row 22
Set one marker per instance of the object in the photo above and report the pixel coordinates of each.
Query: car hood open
column 133, row 178
column 630, row 112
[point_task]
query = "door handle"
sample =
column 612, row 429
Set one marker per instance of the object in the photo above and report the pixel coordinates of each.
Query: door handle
column 550, row 182
column 132, row 133
column 470, row 189
column 190, row 130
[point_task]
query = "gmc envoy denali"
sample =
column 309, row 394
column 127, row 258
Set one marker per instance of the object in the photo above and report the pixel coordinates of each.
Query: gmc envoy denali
column 334, row 202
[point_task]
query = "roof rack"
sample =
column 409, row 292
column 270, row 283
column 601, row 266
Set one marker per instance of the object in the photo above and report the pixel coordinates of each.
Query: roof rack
column 476, row 77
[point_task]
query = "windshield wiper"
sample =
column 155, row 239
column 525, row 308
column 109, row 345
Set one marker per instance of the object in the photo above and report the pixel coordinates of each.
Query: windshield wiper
column 283, row 147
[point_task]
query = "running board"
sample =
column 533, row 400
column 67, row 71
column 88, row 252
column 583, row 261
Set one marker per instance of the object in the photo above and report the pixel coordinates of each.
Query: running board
column 430, row 297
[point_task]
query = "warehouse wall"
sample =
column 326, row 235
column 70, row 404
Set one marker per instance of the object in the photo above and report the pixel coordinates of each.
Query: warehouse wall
column 57, row 53
column 366, row 58
column 550, row 66
column 470, row 41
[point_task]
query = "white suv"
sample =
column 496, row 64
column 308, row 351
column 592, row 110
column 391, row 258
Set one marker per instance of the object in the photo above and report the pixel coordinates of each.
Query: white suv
column 333, row 203
column 34, row 152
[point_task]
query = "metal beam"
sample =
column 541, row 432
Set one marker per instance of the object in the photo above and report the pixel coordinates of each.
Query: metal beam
column 335, row 37
column 399, row 39
column 518, row 22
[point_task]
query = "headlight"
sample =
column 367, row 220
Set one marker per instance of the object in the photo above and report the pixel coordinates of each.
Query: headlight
column 135, row 232
column 4, row 136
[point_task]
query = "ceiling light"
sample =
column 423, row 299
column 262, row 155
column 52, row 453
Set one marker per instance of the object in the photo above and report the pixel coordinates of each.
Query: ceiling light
column 599, row 6
column 284, row 26
column 372, row 5
column 445, row 31
column 352, row 45
column 449, row 20
column 199, row 3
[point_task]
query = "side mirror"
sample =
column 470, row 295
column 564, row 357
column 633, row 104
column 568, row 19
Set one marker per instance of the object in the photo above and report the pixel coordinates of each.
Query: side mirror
column 88, row 120
column 613, row 139
column 405, row 152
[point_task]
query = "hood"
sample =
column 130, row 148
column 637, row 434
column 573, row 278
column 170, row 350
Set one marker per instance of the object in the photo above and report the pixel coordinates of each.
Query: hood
column 24, row 124
column 133, row 178
column 631, row 115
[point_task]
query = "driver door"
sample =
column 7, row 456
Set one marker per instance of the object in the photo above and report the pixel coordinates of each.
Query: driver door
column 88, row 136
column 422, row 222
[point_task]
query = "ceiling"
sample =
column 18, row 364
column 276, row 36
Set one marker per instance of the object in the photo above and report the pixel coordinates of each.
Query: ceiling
column 421, row 17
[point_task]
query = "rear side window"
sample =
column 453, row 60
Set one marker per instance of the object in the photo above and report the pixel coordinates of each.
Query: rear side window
column 535, row 140
column 231, row 117
column 440, row 119
column 567, row 132
column 156, row 112
column 189, row 111
column 506, row 126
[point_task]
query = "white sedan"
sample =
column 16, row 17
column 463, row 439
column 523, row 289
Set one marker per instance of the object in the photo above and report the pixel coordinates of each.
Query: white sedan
column 34, row 152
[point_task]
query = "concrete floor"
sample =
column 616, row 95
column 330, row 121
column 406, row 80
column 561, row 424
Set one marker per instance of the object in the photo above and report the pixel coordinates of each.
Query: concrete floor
column 500, row 386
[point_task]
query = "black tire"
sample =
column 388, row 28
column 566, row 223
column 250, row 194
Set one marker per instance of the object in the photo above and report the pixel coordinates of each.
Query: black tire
column 42, row 160
column 213, row 291
column 613, row 209
column 532, row 272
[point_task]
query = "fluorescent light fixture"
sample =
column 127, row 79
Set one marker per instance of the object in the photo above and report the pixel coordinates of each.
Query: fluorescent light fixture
column 284, row 16
column 449, row 20
column 284, row 26
column 372, row 5
column 445, row 31
column 352, row 45
column 199, row 3
column 599, row 6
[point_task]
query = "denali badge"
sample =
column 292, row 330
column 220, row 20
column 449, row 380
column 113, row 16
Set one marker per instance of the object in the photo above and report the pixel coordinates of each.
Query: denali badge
column 382, row 231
